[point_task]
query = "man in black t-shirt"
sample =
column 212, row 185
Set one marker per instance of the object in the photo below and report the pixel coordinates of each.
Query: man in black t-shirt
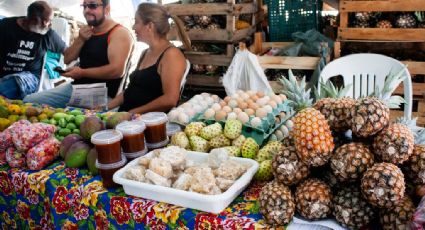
column 23, row 45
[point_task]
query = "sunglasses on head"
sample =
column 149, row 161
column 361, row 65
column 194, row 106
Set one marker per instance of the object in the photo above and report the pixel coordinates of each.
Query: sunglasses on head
column 91, row 6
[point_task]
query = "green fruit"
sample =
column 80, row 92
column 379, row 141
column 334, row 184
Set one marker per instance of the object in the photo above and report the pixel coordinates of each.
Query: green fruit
column 70, row 118
column 194, row 129
column 46, row 121
column 249, row 148
column 239, row 141
column 77, row 155
column 233, row 151
column 4, row 112
column 265, row 171
column 232, row 128
column 79, row 119
column 263, row 154
column 91, row 125
column 91, row 161
column 180, row 139
column 53, row 121
column 211, row 131
column 76, row 131
column 76, row 112
column 64, row 132
column 117, row 118
column 59, row 115
column 199, row 144
column 71, row 126
column 67, row 142
column 60, row 138
column 62, row 122
column 219, row 141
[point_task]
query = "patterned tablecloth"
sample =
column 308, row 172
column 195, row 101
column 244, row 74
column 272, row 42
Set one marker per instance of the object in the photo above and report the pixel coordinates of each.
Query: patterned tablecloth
column 65, row 198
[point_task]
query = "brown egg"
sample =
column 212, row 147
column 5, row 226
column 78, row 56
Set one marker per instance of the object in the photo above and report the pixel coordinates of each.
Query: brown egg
column 227, row 99
column 237, row 110
column 227, row 109
column 243, row 105
column 220, row 115
column 223, row 103
column 254, row 97
column 283, row 97
column 272, row 103
column 249, row 100
column 239, row 100
column 253, row 106
column 261, row 112
column 260, row 94
column 249, row 112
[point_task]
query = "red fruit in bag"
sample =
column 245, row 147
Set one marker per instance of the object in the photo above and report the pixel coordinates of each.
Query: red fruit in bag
column 43, row 153
column 27, row 135
column 5, row 143
column 15, row 158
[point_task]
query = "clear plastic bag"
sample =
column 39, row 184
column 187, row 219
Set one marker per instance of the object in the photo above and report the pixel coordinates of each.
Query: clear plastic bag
column 245, row 73
column 43, row 153
column 418, row 219
column 26, row 135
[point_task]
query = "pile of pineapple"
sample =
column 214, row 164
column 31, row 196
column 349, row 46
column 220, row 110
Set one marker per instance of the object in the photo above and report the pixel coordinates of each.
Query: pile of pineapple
column 357, row 179
column 388, row 20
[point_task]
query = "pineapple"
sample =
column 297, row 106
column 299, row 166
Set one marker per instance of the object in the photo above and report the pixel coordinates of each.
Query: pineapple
column 287, row 168
column 198, row 68
column 213, row 26
column 350, row 161
column 415, row 166
column 335, row 106
column 421, row 25
column 369, row 116
column 312, row 135
column 199, row 47
column 399, row 217
column 350, row 209
column 360, row 24
column 383, row 185
column 202, row 20
column 384, row 24
column 406, row 21
column 394, row 144
column 211, row 68
column 276, row 203
column 313, row 199
column 363, row 16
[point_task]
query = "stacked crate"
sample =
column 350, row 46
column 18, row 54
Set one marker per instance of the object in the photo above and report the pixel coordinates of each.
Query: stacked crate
column 395, row 37
column 227, row 38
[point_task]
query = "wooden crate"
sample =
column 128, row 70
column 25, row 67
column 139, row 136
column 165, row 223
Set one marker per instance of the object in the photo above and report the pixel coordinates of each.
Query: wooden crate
column 230, row 9
column 378, row 34
column 207, row 58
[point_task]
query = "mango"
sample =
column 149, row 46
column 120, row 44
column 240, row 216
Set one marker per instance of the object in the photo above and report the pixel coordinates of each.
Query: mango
column 4, row 112
column 91, row 162
column 76, row 156
column 67, row 142
column 89, row 126
column 32, row 111
column 117, row 118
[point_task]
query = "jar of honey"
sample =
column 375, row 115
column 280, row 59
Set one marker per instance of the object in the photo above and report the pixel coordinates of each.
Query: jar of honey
column 173, row 128
column 156, row 131
column 133, row 141
column 108, row 147
column 107, row 171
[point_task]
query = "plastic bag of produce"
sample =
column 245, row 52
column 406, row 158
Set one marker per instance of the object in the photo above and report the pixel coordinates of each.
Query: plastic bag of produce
column 418, row 219
column 27, row 135
column 5, row 143
column 245, row 73
column 43, row 153
column 15, row 158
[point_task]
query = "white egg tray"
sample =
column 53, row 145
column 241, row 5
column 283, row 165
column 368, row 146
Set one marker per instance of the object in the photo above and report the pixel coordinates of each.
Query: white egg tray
column 207, row 203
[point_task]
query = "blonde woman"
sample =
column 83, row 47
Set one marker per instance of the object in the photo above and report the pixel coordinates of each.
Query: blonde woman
column 155, row 84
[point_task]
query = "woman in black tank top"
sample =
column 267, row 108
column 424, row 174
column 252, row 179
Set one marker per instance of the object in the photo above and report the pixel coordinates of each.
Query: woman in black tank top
column 155, row 84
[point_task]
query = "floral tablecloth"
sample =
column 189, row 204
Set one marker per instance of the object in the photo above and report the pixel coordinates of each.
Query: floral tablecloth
column 65, row 198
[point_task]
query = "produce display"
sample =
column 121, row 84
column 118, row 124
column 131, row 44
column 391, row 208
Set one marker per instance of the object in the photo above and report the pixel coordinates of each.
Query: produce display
column 169, row 167
column 387, row 20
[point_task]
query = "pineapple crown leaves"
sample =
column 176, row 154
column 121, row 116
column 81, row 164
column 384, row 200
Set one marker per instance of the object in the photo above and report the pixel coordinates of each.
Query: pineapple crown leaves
column 298, row 96
column 328, row 89
column 391, row 82
column 418, row 132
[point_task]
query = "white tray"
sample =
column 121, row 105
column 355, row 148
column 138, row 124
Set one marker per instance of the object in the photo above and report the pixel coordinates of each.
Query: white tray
column 207, row 203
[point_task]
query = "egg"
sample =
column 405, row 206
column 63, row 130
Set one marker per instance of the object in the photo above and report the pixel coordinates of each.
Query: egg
column 197, row 108
column 239, row 100
column 273, row 137
column 282, row 115
column 220, row 115
column 203, row 104
column 249, row 100
column 232, row 115
column 262, row 101
column 183, row 118
column 180, row 110
column 272, row 103
column 190, row 112
column 227, row 109
column 209, row 113
column 173, row 115
column 198, row 97
column 253, row 106
column 250, row 92
column 261, row 112
column 289, row 124
column 237, row 110
column 260, row 94
column 240, row 92
column 279, row 135
column 209, row 100
column 245, row 96
column 243, row 117
column 215, row 98
column 227, row 99
column 254, row 97
column 194, row 101
column 284, row 130
column 233, row 103
column 250, row 112
column 256, row 122
column 283, row 97
column 277, row 120
column 205, row 95
column 276, row 98
column 216, row 107
column 243, row 105
column 222, row 103
column 186, row 105
column 268, row 108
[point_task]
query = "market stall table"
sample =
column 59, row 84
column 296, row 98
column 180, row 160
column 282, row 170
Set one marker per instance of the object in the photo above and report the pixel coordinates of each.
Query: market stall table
column 65, row 198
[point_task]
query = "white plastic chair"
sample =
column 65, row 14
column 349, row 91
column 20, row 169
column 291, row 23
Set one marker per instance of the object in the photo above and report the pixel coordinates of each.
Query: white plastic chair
column 183, row 81
column 364, row 72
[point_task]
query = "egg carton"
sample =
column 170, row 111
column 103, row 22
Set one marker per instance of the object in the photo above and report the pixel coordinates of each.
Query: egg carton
column 267, row 127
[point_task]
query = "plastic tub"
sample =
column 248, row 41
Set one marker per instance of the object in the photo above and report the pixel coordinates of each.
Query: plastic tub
column 173, row 128
column 136, row 154
column 133, row 140
column 156, row 131
column 107, row 171
column 207, row 203
column 152, row 146
column 108, row 145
